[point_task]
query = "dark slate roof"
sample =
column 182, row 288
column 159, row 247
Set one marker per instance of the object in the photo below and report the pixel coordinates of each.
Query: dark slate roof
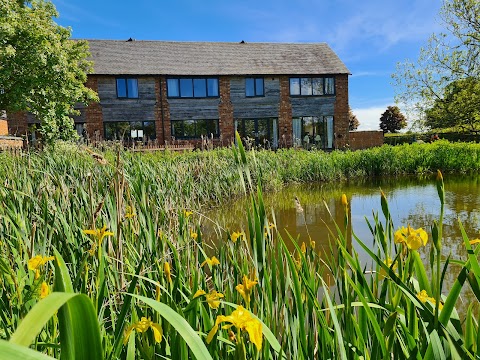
column 114, row 57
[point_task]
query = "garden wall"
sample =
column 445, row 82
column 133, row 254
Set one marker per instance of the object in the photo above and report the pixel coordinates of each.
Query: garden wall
column 365, row 139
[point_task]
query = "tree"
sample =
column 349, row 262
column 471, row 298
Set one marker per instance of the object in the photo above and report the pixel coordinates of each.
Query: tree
column 459, row 106
column 353, row 122
column 42, row 70
column 449, row 56
column 392, row 120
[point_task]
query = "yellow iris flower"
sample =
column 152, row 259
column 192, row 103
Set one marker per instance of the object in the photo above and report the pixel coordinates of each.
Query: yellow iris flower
column 243, row 321
column 38, row 261
column 129, row 213
column 213, row 297
column 168, row 274
column 210, row 261
column 344, row 200
column 187, row 213
column 100, row 235
column 412, row 238
column 245, row 289
column 423, row 297
column 193, row 235
column 387, row 262
column 44, row 290
column 142, row 326
column 236, row 235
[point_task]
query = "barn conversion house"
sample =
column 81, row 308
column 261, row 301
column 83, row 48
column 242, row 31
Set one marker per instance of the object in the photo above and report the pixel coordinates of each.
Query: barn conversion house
column 276, row 94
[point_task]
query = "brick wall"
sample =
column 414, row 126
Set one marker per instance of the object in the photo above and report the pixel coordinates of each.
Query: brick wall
column 225, row 112
column 17, row 123
column 3, row 127
column 285, row 128
column 93, row 113
column 162, row 111
column 341, row 112
column 365, row 139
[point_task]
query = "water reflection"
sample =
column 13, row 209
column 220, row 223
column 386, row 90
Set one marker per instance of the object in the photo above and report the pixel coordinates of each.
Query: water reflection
column 412, row 200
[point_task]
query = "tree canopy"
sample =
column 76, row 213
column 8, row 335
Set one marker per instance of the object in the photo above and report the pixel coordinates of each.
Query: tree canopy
column 42, row 70
column 353, row 122
column 459, row 106
column 392, row 120
column 449, row 56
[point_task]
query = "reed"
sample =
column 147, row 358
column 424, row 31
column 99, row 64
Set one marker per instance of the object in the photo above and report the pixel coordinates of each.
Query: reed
column 102, row 257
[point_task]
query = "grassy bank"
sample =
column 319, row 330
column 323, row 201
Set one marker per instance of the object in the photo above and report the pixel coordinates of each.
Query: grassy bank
column 117, row 238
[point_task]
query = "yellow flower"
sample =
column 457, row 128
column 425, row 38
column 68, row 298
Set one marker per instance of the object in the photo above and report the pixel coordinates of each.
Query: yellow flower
column 199, row 292
column 473, row 242
column 344, row 200
column 271, row 225
column 142, row 326
column 187, row 213
column 242, row 320
column 303, row 248
column 129, row 213
column 166, row 269
column 99, row 234
column 210, row 261
column 412, row 238
column 235, row 235
column 213, row 299
column 245, row 288
column 44, row 290
column 193, row 235
column 423, row 297
column 38, row 261
column 387, row 262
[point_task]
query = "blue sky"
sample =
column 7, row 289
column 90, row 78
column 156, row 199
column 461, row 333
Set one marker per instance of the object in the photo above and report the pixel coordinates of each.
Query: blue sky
column 370, row 36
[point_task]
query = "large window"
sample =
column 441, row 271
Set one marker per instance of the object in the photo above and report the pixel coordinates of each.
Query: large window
column 261, row 132
column 127, row 88
column 254, row 87
column 312, row 86
column 192, row 88
column 194, row 129
column 313, row 131
column 130, row 130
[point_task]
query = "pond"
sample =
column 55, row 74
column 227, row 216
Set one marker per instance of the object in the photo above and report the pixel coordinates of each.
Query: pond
column 412, row 201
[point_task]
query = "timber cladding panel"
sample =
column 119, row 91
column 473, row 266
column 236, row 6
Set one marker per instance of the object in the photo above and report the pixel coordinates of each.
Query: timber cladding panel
column 258, row 106
column 115, row 109
column 313, row 106
column 186, row 109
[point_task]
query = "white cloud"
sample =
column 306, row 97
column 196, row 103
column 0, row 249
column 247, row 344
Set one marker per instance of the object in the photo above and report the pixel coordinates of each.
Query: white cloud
column 369, row 117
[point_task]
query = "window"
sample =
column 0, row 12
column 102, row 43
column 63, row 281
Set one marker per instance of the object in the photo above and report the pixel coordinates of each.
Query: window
column 313, row 131
column 194, row 129
column 316, row 86
column 263, row 132
column 254, row 87
column 192, row 87
column 127, row 88
column 130, row 130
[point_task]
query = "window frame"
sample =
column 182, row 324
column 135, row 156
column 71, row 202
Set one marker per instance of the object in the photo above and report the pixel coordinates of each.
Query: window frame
column 129, row 138
column 311, row 82
column 196, row 135
column 125, row 79
column 255, row 93
column 205, row 78
column 317, row 120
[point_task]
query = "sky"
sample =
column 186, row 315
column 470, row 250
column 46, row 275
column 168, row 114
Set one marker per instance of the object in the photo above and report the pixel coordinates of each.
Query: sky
column 369, row 36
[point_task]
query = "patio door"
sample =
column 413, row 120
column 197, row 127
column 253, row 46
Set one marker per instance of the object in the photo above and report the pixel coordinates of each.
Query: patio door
column 260, row 132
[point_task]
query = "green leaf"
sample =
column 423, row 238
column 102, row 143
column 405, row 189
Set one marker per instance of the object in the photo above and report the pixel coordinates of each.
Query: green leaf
column 192, row 339
column 12, row 351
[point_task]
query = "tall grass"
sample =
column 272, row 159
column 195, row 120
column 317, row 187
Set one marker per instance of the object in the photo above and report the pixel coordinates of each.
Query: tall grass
column 133, row 278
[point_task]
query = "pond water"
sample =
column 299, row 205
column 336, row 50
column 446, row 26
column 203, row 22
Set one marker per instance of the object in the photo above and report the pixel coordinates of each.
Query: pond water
column 412, row 200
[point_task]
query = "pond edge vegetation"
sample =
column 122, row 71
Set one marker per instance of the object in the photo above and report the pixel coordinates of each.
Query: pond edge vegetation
column 131, row 278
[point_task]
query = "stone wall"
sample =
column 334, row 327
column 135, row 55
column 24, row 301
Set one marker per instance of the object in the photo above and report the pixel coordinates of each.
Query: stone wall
column 365, row 139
